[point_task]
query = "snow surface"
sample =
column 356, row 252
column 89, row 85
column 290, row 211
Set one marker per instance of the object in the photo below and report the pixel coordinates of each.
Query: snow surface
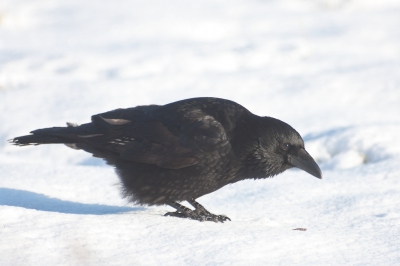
column 330, row 68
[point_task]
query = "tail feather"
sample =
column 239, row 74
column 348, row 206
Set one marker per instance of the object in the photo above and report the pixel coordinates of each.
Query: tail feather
column 51, row 135
column 72, row 134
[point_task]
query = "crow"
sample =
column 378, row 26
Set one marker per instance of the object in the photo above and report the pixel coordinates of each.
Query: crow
column 166, row 154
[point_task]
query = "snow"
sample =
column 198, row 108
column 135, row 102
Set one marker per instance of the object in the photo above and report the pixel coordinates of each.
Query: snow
column 329, row 68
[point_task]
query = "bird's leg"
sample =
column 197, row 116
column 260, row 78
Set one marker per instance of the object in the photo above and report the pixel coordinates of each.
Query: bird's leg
column 207, row 216
column 182, row 212
column 199, row 214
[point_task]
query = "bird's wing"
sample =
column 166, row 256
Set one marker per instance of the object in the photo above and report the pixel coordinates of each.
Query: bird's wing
column 167, row 139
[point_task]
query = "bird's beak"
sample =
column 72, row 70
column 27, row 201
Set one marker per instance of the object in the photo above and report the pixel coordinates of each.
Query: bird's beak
column 305, row 162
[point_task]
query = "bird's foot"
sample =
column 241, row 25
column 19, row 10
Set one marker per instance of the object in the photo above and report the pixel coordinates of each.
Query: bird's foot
column 215, row 218
column 176, row 214
column 200, row 214
column 199, row 217
column 208, row 216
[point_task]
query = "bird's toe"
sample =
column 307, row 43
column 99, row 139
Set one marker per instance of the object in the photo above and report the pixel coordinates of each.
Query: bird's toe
column 217, row 218
column 176, row 214
column 224, row 218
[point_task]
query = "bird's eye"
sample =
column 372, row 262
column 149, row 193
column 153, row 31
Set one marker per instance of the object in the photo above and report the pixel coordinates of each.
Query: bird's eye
column 285, row 146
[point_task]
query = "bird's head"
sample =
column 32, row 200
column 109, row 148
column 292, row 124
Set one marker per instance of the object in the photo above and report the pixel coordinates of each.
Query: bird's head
column 280, row 147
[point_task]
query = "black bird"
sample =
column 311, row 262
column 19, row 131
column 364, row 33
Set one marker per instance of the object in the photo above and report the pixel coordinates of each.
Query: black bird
column 183, row 150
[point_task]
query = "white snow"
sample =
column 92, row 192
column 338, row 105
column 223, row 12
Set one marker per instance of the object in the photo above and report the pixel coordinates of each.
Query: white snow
column 330, row 68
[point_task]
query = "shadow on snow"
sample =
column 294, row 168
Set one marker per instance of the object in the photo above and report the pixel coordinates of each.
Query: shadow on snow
column 40, row 202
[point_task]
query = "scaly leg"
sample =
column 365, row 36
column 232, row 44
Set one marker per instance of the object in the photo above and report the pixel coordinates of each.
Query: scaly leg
column 199, row 214
column 208, row 216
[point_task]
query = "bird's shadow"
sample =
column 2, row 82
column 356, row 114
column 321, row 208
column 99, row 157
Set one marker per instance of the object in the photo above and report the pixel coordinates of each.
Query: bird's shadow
column 40, row 202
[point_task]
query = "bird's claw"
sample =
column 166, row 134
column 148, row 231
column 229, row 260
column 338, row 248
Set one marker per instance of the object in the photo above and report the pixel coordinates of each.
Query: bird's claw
column 216, row 218
column 199, row 213
column 202, row 218
column 176, row 214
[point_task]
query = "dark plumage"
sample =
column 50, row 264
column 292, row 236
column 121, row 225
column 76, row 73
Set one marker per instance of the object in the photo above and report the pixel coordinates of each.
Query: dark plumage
column 184, row 150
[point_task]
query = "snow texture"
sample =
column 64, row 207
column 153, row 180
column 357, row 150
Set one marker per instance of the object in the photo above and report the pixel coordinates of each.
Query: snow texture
column 329, row 68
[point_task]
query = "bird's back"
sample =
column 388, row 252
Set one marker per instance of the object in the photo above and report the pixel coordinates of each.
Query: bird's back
column 161, row 153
